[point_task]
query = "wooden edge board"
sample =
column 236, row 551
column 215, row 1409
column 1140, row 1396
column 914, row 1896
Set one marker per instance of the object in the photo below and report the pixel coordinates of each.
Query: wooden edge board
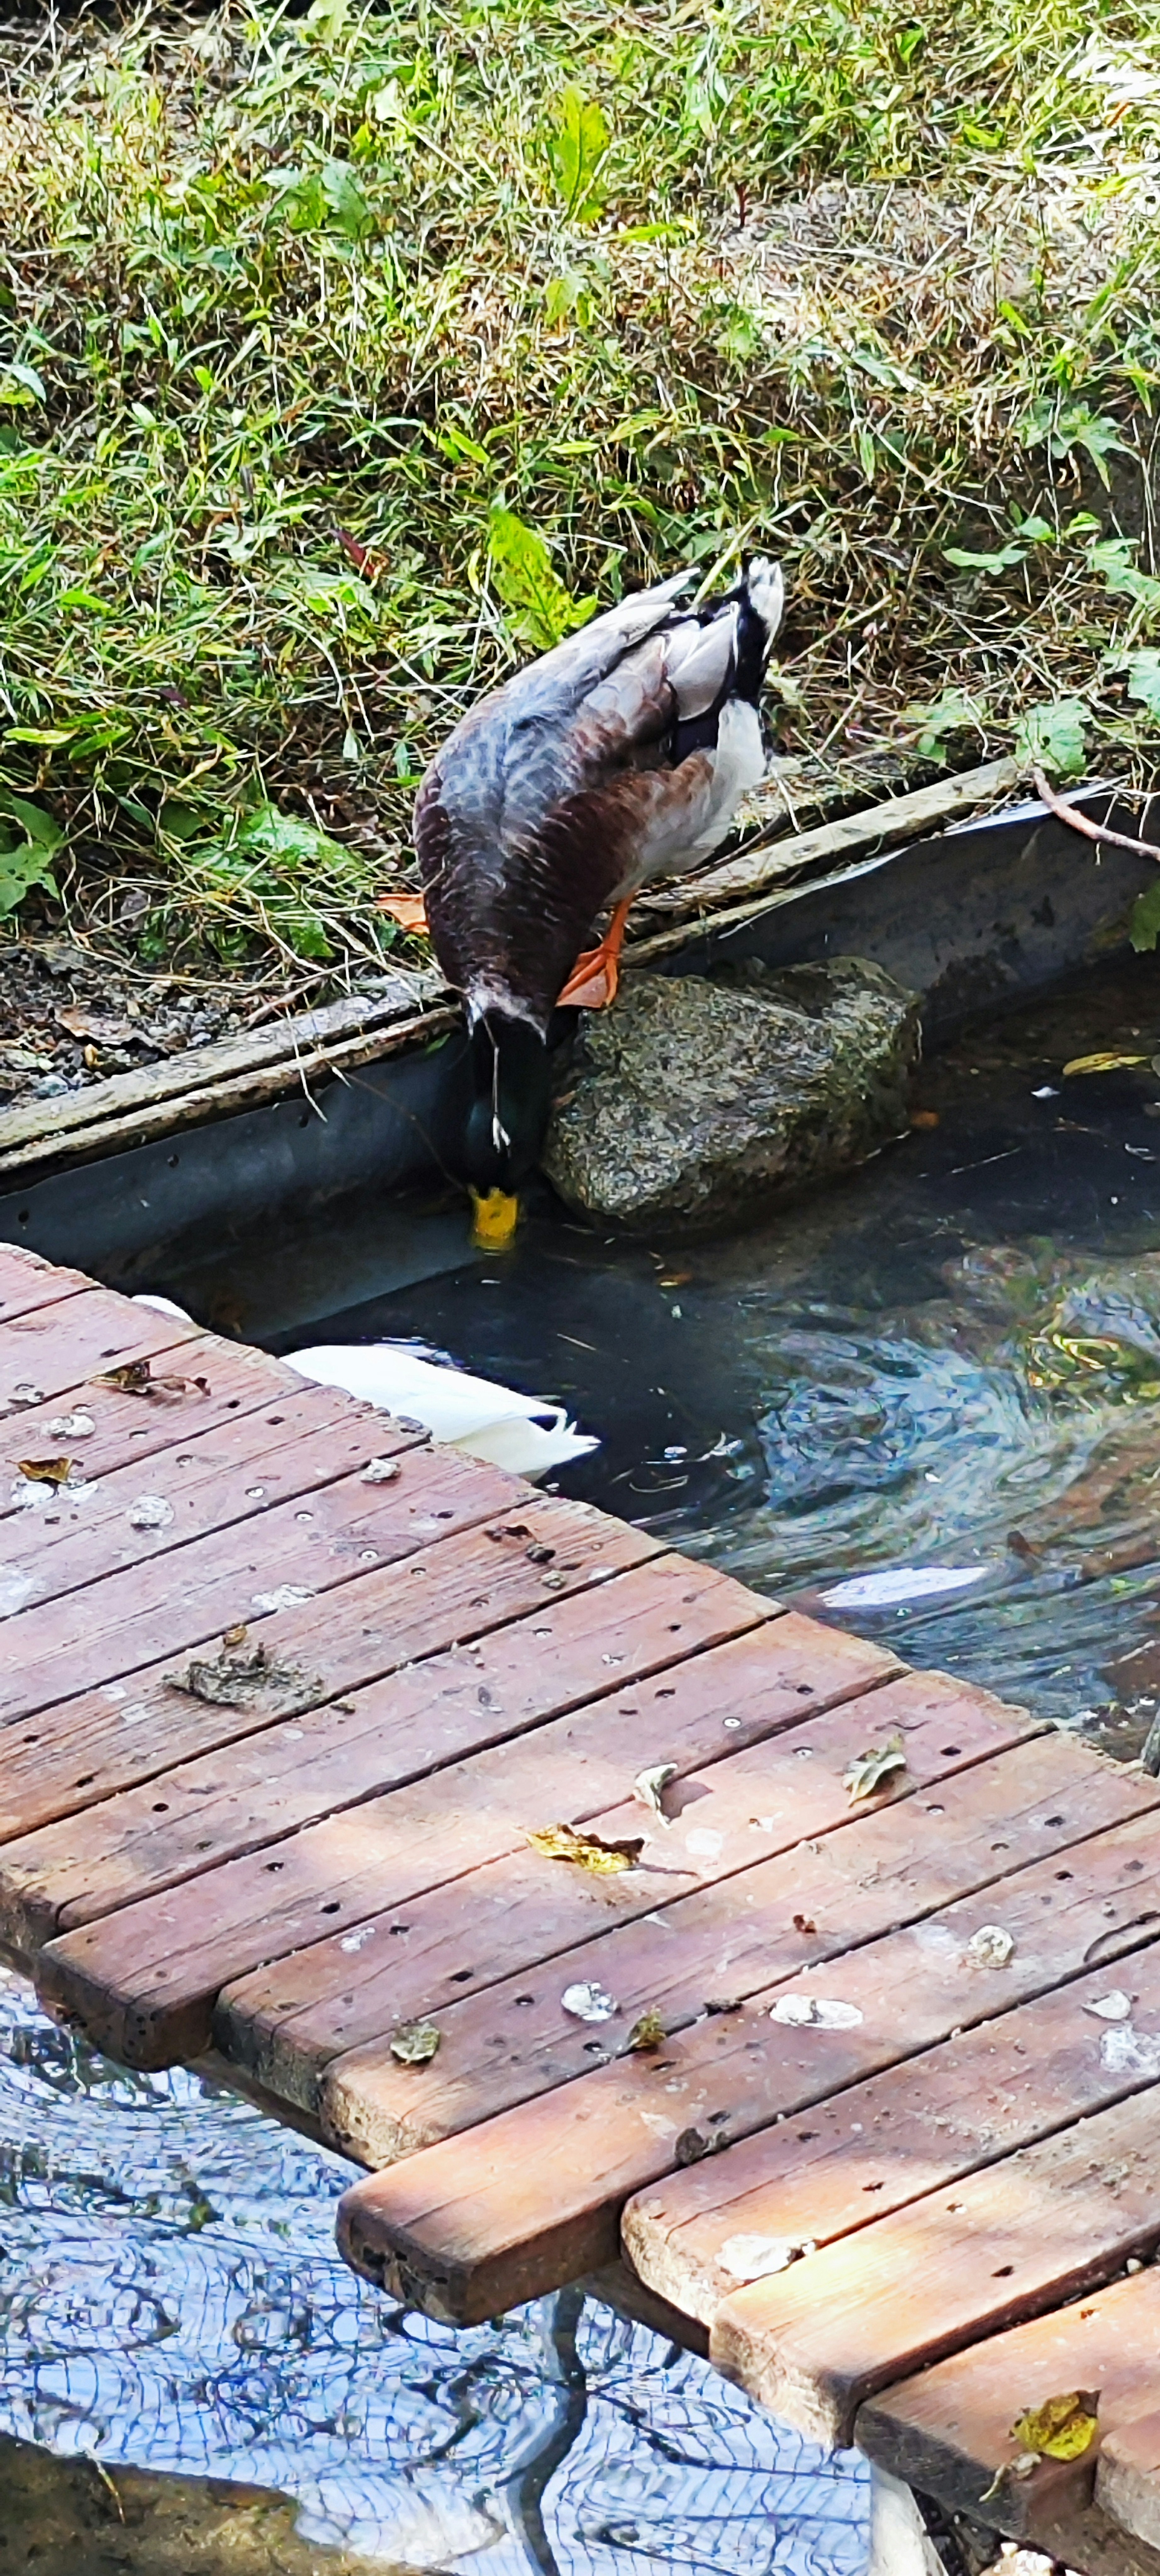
column 709, row 1931
column 27, row 1280
column 85, row 1747
column 897, row 818
column 947, row 2432
column 222, row 1099
column 1127, row 2483
column 488, row 2217
column 54, row 1351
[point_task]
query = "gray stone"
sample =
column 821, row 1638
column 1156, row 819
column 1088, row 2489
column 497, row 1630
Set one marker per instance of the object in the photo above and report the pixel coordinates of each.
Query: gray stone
column 700, row 1101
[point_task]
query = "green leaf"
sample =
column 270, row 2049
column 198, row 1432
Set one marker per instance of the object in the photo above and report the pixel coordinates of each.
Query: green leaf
column 1143, row 674
column 1075, row 426
column 577, row 148
column 953, row 713
column 541, row 609
column 20, row 870
column 1112, row 556
column 37, row 826
column 1051, row 737
column 345, row 200
column 999, row 562
column 329, row 17
column 1144, row 921
column 20, row 384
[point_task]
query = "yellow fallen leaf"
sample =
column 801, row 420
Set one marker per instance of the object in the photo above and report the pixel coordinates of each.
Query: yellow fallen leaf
column 868, row 1771
column 649, row 2031
column 1102, row 1063
column 1063, row 2428
column 45, row 1471
column 415, row 2043
column 587, row 1851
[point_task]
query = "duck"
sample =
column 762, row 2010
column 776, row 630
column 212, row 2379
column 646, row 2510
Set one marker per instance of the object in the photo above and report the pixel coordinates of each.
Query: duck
column 483, row 1418
column 618, row 756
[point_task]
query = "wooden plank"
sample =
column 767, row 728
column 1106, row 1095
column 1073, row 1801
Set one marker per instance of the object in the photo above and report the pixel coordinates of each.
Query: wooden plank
column 1047, row 2223
column 948, row 2432
column 146, row 1976
column 533, row 2196
column 104, row 1740
column 518, row 2040
column 1128, row 2472
column 702, row 2236
column 128, row 1429
column 63, row 1345
column 27, row 1281
column 236, row 1471
column 234, row 1576
column 192, row 1818
column 286, row 2022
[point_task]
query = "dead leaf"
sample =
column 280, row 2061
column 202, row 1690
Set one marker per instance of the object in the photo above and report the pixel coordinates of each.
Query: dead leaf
column 94, row 1024
column 649, row 1787
column 1063, row 2428
column 924, row 1118
column 991, row 1946
column 236, row 1636
column 238, row 1676
column 649, row 2031
column 804, row 1923
column 136, row 1378
column 1023, row 2467
column 409, row 910
column 587, row 1851
column 1102, row 1063
column 415, row 2043
column 45, row 1471
column 868, row 1771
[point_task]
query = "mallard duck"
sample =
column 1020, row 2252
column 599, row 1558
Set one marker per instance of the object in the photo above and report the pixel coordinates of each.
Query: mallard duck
column 619, row 756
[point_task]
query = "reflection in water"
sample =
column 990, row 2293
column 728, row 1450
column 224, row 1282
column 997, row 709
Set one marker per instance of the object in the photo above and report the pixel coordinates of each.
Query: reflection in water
column 171, row 2295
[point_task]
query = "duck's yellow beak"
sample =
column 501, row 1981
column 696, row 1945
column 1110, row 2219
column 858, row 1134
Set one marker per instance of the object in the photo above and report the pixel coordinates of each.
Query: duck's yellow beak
column 495, row 1222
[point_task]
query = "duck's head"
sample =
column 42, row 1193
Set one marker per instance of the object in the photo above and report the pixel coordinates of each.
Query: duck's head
column 510, row 1073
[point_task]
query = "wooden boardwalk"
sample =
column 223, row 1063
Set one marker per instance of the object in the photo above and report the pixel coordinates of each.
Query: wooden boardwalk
column 859, row 2085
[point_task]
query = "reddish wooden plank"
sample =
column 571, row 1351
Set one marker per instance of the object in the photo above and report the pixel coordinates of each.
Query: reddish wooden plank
column 103, row 1740
column 243, row 1796
column 128, row 1429
column 27, row 1281
column 948, row 2431
column 515, row 2040
column 207, row 1481
column 1042, row 2226
column 236, row 1575
column 147, row 1975
column 53, row 1348
column 288, row 2022
column 1128, row 2469
column 701, row 2236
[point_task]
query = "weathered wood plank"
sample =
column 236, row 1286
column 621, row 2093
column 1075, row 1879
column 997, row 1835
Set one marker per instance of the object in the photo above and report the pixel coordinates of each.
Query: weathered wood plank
column 235, row 1575
column 286, row 2022
column 1128, row 2471
column 128, row 1429
column 518, row 2040
column 146, row 1976
column 708, row 2233
column 55, row 1347
column 106, row 1739
column 533, row 2196
column 245, row 1795
column 27, row 1281
column 1049, row 2222
column 237, row 1471
column 948, row 2431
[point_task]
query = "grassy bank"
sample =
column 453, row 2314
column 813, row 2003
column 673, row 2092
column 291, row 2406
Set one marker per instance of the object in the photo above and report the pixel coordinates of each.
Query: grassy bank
column 346, row 355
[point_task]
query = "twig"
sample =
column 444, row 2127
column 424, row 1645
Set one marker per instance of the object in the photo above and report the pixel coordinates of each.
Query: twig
column 1081, row 822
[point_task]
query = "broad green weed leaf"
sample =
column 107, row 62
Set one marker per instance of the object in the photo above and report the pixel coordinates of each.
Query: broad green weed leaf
column 1143, row 674
column 998, row 562
column 20, row 870
column 1052, row 737
column 541, row 609
column 37, row 826
column 953, row 713
column 1144, row 923
column 345, row 200
column 20, row 384
column 577, row 147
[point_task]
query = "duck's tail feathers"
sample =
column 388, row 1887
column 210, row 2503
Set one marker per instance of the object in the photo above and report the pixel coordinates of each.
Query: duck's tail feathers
column 765, row 591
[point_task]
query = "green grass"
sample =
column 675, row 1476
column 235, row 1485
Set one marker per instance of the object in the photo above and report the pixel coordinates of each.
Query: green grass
column 307, row 321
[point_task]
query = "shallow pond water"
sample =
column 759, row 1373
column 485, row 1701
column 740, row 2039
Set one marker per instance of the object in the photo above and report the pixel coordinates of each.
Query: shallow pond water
column 948, row 1367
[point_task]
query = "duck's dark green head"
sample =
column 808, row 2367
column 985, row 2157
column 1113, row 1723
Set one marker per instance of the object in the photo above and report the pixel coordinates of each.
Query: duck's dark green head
column 511, row 1097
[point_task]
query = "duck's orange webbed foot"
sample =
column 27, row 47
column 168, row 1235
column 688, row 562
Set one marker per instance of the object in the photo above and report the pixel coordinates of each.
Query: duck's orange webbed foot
column 409, row 910
column 592, row 984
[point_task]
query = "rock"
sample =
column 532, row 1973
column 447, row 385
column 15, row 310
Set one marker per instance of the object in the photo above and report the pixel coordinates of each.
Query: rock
column 66, row 2517
column 697, row 1101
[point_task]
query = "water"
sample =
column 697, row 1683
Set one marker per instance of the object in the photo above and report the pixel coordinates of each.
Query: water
column 952, row 1362
column 171, row 2295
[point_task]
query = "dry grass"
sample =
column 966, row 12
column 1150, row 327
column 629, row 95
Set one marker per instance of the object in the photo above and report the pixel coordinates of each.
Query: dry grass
column 293, row 301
